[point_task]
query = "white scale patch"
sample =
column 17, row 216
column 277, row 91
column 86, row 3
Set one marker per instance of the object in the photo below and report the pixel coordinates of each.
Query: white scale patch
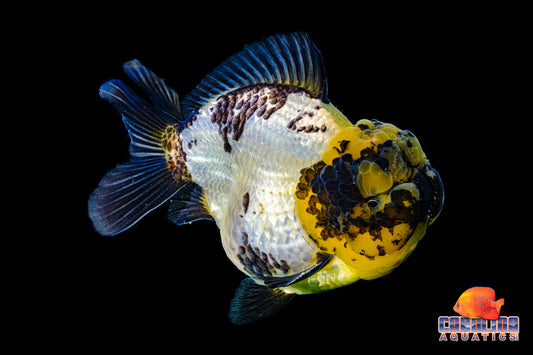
column 264, row 161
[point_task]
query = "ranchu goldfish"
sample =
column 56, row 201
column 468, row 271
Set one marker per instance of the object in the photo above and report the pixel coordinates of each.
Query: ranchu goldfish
column 479, row 302
column 305, row 200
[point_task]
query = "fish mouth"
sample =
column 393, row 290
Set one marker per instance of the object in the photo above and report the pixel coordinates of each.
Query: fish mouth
column 432, row 192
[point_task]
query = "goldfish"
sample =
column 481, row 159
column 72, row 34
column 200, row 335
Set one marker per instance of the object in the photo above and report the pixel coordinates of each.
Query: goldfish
column 305, row 200
column 479, row 302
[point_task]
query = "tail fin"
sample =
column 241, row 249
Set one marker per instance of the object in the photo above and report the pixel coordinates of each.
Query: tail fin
column 157, row 167
column 493, row 312
column 498, row 304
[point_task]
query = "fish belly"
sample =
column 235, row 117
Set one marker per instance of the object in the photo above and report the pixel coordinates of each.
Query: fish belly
column 250, row 178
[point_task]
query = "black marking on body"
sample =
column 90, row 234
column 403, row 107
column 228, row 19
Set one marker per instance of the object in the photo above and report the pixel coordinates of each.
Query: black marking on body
column 245, row 201
column 257, row 262
column 295, row 124
column 342, row 146
column 190, row 121
column 369, row 257
column 306, row 175
column 334, row 187
column 232, row 110
column 176, row 158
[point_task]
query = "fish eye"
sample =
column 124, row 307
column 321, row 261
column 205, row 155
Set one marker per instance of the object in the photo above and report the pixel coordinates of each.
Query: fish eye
column 373, row 203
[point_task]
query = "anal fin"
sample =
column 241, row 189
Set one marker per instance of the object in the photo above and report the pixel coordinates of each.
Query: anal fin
column 188, row 205
column 253, row 302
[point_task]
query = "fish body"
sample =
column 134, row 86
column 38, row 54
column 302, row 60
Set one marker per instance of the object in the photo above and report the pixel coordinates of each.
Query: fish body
column 479, row 302
column 248, row 176
column 305, row 200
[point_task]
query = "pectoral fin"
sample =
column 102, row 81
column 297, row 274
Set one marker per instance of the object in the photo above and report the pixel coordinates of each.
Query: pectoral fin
column 322, row 260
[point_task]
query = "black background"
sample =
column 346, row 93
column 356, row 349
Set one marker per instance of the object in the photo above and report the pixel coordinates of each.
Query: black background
column 446, row 73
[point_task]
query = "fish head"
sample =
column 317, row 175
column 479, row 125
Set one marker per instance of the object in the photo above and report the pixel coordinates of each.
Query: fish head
column 467, row 305
column 371, row 197
column 457, row 307
column 464, row 308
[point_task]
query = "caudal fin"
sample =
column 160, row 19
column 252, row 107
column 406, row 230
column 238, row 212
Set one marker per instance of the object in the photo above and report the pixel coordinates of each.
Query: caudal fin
column 498, row 304
column 156, row 168
column 493, row 312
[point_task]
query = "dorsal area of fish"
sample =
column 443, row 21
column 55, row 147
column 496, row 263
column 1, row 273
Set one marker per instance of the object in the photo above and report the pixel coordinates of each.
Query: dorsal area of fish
column 246, row 149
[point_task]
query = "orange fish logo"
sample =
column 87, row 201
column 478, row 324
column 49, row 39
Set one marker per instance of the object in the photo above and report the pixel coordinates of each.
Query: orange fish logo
column 479, row 302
